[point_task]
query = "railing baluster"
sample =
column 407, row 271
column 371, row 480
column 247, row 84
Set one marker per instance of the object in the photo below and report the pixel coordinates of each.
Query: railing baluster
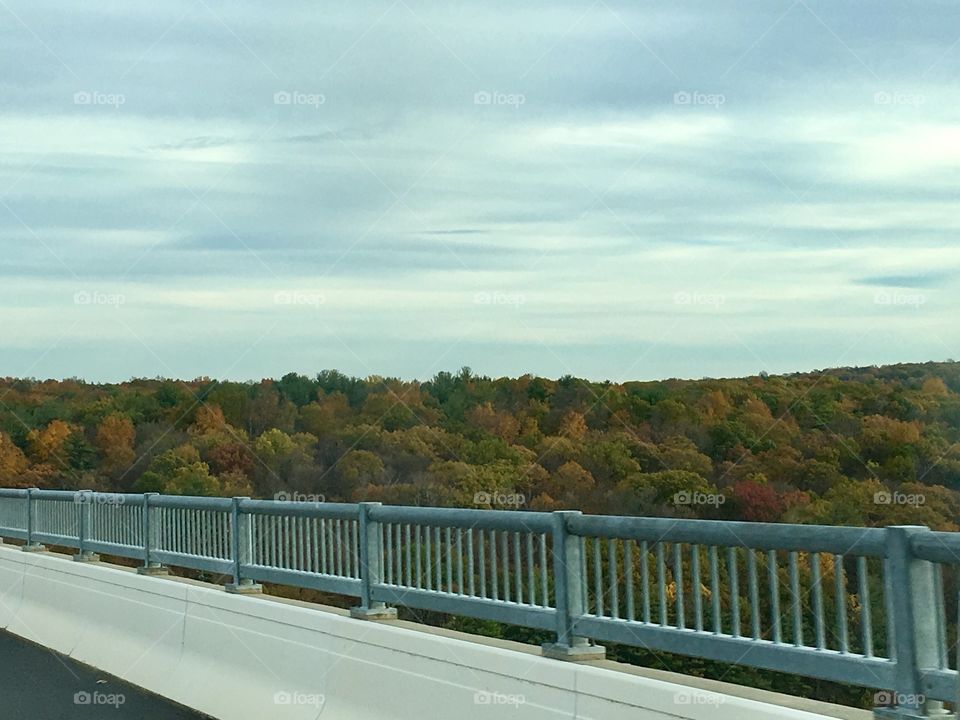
column 418, row 550
column 428, row 555
column 471, row 574
column 544, row 572
column 889, row 595
column 298, row 543
column 439, row 557
column 398, row 548
column 795, row 600
column 866, row 623
column 310, row 531
column 613, row 579
column 505, row 558
column 678, row 584
column 531, row 583
column 448, row 547
column 734, row 577
column 390, row 577
column 517, row 568
column 493, row 565
column 774, row 595
column 645, row 581
column 840, row 602
column 714, row 589
column 817, row 600
column 628, row 578
column 460, row 561
column 482, row 548
column 597, row 578
column 352, row 549
column 661, row 585
column 696, row 588
column 325, row 568
column 754, row 593
column 408, row 577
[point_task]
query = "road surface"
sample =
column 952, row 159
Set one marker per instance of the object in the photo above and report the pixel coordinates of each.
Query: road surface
column 39, row 684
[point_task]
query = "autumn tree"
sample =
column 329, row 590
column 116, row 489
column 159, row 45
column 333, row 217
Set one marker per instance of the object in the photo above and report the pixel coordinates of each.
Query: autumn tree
column 114, row 440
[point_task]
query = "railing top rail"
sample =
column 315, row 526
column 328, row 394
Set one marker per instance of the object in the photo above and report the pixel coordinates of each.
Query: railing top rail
column 13, row 493
column 336, row 511
column 941, row 547
column 189, row 502
column 515, row 520
column 725, row 533
column 123, row 497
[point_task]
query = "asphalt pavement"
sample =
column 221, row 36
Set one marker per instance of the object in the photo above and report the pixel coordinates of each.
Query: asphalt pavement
column 39, row 684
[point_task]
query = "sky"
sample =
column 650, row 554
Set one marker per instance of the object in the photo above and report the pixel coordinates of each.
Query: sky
column 608, row 189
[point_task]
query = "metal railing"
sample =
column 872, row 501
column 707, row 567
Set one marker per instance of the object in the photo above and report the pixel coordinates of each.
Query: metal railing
column 864, row 606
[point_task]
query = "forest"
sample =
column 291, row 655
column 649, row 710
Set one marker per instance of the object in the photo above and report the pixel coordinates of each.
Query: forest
column 858, row 446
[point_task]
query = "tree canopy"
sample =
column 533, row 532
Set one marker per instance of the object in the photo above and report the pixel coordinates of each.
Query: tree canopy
column 874, row 445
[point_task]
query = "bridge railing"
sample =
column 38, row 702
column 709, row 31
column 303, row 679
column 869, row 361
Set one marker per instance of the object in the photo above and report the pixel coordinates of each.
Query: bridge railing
column 864, row 606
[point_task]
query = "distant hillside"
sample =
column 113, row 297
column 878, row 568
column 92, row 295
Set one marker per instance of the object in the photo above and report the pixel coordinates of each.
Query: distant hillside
column 875, row 445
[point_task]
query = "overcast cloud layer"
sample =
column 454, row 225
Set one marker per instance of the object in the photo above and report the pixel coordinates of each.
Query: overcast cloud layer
column 608, row 189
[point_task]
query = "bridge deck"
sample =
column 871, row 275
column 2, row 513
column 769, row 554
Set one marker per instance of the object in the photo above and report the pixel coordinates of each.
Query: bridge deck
column 41, row 684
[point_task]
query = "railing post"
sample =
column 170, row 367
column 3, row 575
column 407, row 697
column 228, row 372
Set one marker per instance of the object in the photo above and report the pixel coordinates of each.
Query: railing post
column 371, row 570
column 84, row 501
column 568, row 578
column 241, row 543
column 151, row 537
column 919, row 626
column 32, row 508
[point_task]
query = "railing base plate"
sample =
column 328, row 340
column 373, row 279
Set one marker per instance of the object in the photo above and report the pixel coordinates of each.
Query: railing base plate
column 86, row 557
column 244, row 589
column 35, row 547
column 574, row 653
column 384, row 613
column 153, row 570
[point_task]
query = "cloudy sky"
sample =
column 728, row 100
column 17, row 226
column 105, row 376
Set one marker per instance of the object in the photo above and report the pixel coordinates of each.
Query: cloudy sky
column 612, row 189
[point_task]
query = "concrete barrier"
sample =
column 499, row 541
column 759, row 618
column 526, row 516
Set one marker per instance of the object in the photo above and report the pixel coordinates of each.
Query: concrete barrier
column 236, row 657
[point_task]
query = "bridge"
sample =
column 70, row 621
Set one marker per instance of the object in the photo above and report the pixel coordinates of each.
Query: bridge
column 861, row 606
